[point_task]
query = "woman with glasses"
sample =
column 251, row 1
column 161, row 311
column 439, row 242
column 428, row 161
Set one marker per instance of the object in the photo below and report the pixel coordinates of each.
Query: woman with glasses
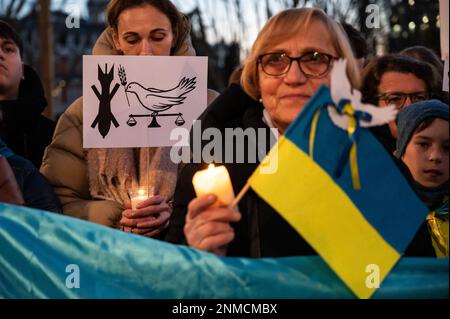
column 395, row 80
column 291, row 58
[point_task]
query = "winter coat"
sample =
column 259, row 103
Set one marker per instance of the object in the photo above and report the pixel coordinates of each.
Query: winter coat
column 22, row 127
column 92, row 184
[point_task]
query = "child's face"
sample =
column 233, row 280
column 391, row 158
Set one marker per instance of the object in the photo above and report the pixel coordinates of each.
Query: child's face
column 427, row 154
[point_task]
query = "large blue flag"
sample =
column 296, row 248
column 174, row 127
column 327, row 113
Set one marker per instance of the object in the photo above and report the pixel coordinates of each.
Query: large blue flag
column 43, row 255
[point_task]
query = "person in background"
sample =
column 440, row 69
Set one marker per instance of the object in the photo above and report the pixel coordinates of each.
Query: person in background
column 395, row 80
column 26, row 131
column 359, row 44
column 427, row 55
column 37, row 192
column 93, row 184
column 423, row 145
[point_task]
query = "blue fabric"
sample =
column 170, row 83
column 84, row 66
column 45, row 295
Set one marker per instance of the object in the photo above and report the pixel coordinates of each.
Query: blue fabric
column 382, row 183
column 37, row 246
column 36, row 190
column 4, row 150
column 409, row 118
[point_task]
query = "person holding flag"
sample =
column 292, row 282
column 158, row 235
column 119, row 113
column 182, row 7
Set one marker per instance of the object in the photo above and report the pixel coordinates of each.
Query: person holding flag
column 290, row 59
column 333, row 189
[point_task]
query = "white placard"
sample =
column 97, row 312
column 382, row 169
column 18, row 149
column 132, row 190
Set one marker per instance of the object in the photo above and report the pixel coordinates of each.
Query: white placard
column 443, row 8
column 131, row 101
column 445, row 88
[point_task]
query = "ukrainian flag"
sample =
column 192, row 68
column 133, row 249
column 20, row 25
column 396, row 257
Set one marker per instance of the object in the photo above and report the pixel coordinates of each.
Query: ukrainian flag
column 355, row 231
column 45, row 255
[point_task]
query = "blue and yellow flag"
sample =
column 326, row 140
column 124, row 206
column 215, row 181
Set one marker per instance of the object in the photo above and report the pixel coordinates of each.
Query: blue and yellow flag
column 359, row 213
column 45, row 255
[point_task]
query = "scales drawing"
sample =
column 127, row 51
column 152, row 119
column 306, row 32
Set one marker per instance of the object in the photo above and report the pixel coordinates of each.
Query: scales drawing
column 156, row 100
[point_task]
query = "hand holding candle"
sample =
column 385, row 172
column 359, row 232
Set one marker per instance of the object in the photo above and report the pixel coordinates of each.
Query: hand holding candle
column 139, row 195
column 149, row 214
column 209, row 217
column 214, row 180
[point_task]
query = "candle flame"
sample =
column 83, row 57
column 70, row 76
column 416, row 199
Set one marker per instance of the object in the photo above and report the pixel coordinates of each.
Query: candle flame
column 211, row 166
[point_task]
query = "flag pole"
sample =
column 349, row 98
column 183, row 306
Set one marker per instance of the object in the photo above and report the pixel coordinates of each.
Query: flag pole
column 241, row 194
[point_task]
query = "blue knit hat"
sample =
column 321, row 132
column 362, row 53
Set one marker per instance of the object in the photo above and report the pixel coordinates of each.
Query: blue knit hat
column 409, row 118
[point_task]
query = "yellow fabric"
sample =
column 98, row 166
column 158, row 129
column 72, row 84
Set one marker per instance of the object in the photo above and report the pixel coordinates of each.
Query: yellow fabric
column 317, row 208
column 438, row 228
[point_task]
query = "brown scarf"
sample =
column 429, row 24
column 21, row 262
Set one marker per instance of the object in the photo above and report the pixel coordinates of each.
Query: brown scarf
column 112, row 172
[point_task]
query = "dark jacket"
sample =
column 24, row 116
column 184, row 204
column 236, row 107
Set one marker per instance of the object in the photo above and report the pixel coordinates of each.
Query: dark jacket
column 22, row 127
column 262, row 232
column 384, row 136
column 35, row 189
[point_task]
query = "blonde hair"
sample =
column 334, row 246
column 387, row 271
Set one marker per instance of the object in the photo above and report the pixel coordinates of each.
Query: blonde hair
column 284, row 26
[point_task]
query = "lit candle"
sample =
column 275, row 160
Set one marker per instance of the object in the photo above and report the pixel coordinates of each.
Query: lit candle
column 214, row 180
column 138, row 195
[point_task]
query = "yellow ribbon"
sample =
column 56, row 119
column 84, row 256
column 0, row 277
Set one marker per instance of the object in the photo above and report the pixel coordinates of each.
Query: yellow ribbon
column 348, row 109
column 354, row 168
column 312, row 135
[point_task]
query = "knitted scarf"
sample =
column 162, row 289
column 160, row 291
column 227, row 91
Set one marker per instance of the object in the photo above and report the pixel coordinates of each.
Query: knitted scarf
column 112, row 172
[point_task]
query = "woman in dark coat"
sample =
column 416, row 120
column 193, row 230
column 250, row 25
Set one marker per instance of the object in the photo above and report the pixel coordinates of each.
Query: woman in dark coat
column 274, row 92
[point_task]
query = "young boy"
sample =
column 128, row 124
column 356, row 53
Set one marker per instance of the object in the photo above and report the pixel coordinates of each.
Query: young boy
column 23, row 128
column 423, row 145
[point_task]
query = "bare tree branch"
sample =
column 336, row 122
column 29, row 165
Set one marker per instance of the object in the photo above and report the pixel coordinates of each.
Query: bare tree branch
column 19, row 7
column 9, row 10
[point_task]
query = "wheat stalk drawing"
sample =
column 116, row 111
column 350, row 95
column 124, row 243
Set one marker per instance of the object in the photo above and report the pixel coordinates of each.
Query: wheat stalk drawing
column 123, row 81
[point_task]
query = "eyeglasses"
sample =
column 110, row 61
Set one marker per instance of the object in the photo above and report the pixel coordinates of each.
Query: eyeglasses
column 399, row 99
column 312, row 64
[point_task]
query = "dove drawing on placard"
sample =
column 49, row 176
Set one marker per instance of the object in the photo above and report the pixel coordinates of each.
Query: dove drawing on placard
column 341, row 89
column 158, row 100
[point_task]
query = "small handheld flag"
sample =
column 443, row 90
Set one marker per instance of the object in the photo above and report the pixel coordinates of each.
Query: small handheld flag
column 340, row 190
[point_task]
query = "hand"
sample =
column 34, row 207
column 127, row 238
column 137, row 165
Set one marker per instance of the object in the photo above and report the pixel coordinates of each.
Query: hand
column 208, row 227
column 149, row 219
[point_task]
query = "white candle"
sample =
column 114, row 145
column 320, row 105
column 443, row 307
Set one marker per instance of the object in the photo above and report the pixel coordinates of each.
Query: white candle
column 214, row 180
column 138, row 196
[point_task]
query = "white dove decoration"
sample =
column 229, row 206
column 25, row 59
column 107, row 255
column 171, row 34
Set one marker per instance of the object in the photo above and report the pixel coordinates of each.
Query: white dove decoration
column 158, row 100
column 341, row 89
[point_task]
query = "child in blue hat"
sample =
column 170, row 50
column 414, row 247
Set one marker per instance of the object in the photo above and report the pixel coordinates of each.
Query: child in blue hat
column 423, row 145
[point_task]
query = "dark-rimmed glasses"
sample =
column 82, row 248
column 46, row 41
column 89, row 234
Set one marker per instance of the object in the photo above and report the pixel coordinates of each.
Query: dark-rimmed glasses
column 399, row 99
column 312, row 64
